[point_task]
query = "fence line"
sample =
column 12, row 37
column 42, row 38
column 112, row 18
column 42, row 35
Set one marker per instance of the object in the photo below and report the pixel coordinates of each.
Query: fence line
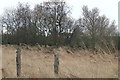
column 56, row 63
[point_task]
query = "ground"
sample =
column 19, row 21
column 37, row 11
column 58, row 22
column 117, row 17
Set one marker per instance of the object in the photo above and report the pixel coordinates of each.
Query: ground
column 37, row 62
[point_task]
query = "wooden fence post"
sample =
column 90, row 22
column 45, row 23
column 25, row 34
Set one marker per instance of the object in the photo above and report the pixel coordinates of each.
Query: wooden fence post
column 56, row 63
column 18, row 61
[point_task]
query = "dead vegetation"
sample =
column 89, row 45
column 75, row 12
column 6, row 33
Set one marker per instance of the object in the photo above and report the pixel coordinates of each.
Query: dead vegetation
column 37, row 62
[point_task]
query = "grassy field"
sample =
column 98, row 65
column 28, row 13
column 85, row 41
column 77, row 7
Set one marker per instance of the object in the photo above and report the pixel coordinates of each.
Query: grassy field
column 37, row 62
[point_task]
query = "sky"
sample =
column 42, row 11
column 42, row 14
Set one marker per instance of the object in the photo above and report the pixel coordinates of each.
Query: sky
column 106, row 7
column 119, row 16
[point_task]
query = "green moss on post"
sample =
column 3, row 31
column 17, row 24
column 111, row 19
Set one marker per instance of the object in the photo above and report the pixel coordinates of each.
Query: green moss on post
column 18, row 61
column 56, row 63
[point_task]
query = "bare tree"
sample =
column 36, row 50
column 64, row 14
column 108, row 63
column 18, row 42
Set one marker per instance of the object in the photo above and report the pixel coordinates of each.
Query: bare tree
column 90, row 22
column 56, row 17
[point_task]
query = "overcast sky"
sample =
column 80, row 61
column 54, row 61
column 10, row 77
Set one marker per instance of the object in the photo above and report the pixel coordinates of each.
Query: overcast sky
column 107, row 7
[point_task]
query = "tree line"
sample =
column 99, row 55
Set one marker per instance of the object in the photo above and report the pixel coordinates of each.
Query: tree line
column 50, row 23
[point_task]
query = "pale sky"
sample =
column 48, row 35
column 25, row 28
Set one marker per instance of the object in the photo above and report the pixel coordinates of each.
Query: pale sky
column 107, row 7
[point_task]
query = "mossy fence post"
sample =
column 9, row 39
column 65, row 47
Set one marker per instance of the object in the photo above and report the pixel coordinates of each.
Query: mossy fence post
column 18, row 61
column 56, row 63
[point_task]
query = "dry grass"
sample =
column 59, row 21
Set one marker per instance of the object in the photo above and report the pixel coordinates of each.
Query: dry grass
column 0, row 62
column 37, row 62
